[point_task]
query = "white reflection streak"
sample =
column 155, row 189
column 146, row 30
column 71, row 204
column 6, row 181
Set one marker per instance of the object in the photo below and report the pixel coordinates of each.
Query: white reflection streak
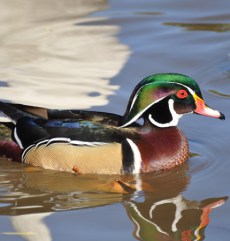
column 62, row 62
column 32, row 227
column 141, row 216
column 180, row 206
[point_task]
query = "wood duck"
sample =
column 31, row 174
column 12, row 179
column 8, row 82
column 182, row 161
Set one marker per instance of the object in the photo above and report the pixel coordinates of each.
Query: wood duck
column 104, row 143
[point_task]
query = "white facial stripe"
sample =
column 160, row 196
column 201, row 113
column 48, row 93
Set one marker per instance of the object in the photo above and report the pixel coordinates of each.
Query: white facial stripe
column 135, row 97
column 140, row 113
column 192, row 92
column 175, row 117
column 137, row 156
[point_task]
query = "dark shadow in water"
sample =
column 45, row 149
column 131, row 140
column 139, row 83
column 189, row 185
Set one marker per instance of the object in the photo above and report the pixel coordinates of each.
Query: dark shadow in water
column 158, row 209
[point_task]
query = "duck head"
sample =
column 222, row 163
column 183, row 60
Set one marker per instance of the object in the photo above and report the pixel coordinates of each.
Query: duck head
column 162, row 99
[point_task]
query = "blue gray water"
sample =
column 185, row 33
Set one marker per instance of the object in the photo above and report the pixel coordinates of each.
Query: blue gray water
column 90, row 55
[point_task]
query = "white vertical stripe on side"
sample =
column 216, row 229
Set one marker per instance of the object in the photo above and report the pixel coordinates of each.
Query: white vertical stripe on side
column 17, row 138
column 136, row 156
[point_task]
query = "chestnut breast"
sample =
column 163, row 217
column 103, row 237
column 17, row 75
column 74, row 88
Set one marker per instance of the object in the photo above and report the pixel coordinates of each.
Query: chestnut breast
column 162, row 148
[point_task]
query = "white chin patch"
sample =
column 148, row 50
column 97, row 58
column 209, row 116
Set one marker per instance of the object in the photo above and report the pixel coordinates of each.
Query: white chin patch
column 175, row 117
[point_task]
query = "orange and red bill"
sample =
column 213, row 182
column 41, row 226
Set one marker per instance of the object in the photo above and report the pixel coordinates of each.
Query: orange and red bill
column 203, row 109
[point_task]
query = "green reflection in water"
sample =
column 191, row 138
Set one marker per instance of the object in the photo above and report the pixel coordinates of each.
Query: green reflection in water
column 215, row 27
column 220, row 94
column 193, row 154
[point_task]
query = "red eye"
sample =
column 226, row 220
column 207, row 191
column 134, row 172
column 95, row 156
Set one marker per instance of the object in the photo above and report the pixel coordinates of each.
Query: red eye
column 182, row 94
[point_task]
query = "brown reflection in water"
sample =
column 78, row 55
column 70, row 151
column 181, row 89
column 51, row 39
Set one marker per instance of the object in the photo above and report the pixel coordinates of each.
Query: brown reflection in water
column 164, row 214
column 156, row 206
column 148, row 13
column 216, row 27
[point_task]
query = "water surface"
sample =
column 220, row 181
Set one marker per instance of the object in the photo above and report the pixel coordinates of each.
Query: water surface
column 90, row 54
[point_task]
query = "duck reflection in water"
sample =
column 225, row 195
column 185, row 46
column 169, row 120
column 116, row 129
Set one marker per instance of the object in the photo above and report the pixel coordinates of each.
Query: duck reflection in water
column 154, row 203
column 162, row 213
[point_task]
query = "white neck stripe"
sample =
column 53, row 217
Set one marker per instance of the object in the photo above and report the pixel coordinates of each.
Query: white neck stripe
column 175, row 117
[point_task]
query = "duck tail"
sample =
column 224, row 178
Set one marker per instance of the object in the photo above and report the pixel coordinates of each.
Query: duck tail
column 11, row 113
